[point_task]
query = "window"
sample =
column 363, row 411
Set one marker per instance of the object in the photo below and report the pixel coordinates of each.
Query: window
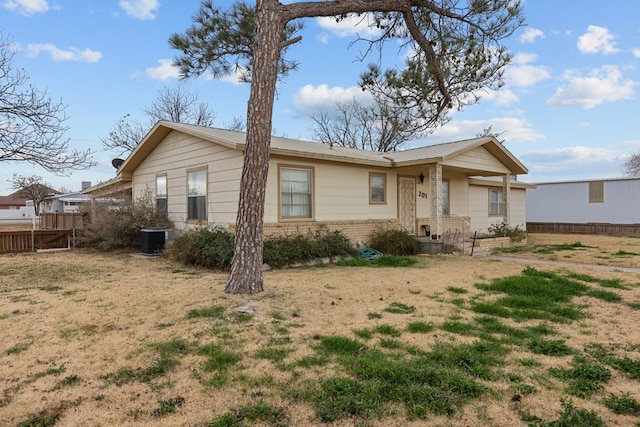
column 445, row 197
column 377, row 188
column 295, row 193
column 596, row 192
column 197, row 195
column 496, row 203
column 161, row 196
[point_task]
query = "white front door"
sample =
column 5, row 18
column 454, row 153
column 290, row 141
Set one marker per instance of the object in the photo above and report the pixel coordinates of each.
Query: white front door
column 407, row 204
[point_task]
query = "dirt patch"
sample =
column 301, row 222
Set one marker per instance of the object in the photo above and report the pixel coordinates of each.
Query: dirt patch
column 83, row 334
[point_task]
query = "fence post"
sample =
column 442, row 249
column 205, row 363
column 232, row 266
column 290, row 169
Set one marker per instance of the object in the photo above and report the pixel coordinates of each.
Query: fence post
column 33, row 240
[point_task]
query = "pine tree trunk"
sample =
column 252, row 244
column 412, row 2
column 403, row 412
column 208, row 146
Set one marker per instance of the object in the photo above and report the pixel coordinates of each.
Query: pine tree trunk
column 246, row 268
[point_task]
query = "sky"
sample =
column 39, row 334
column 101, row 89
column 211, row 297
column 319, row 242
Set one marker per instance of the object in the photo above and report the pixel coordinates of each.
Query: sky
column 569, row 109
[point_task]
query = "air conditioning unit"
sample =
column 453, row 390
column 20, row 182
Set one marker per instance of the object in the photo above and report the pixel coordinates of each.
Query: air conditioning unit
column 153, row 240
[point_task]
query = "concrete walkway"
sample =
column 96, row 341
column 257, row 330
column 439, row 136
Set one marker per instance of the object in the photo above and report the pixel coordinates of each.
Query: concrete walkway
column 564, row 264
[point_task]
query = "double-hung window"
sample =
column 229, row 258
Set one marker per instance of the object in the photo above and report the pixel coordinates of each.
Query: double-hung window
column 496, row 202
column 161, row 196
column 197, row 195
column 377, row 188
column 296, row 197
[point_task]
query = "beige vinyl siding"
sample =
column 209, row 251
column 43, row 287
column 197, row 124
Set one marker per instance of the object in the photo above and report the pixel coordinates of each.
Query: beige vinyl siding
column 479, row 208
column 340, row 192
column 178, row 153
column 478, row 159
column 518, row 207
column 458, row 191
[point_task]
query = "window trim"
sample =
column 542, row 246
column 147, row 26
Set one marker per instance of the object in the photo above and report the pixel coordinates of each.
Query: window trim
column 165, row 213
column 372, row 201
column 206, row 193
column 312, row 200
column 500, row 204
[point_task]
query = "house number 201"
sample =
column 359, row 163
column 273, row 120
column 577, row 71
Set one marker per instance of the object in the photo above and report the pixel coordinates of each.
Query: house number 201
column 422, row 194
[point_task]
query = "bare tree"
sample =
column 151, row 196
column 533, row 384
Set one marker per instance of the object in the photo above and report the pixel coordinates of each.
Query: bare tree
column 125, row 135
column 32, row 124
column 30, row 187
column 172, row 104
column 180, row 106
column 456, row 52
column 377, row 127
column 488, row 131
column 631, row 166
column 237, row 124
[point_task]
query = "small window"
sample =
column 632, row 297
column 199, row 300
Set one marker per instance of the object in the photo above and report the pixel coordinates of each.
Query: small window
column 377, row 188
column 295, row 193
column 496, row 203
column 197, row 195
column 596, row 192
column 445, row 197
column 161, row 196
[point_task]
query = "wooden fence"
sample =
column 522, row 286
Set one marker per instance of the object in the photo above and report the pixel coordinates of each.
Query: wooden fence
column 61, row 220
column 32, row 240
column 589, row 228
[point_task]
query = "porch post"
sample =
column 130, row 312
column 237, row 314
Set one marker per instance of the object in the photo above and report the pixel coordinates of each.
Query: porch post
column 506, row 198
column 435, row 184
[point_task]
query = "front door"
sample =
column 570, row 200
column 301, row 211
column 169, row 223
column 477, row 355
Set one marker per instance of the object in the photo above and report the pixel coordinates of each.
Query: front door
column 407, row 204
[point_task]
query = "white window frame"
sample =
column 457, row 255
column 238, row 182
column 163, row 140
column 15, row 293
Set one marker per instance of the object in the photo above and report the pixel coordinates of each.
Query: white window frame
column 496, row 207
column 296, row 192
column 197, row 195
column 162, row 207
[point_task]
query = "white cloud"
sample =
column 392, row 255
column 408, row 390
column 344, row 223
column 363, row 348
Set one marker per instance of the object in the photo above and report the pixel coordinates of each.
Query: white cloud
column 236, row 77
column 522, row 74
column 140, row 9
column 27, row 7
column 311, row 98
column 165, row 71
column 636, row 52
column 502, row 97
column 530, row 35
column 70, row 54
column 570, row 163
column 603, row 85
column 597, row 40
column 513, row 129
column 351, row 25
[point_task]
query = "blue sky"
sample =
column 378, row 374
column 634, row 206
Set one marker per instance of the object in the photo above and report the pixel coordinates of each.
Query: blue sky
column 569, row 109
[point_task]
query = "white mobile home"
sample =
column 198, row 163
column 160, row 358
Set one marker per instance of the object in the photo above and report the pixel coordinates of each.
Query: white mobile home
column 603, row 201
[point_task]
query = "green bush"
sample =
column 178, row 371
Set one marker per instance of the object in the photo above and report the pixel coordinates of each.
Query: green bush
column 204, row 247
column 505, row 230
column 115, row 224
column 393, row 242
column 284, row 250
column 213, row 248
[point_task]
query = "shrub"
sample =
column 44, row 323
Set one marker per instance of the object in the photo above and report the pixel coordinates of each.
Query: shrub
column 115, row 224
column 213, row 248
column 505, row 230
column 394, row 242
column 283, row 250
column 204, row 247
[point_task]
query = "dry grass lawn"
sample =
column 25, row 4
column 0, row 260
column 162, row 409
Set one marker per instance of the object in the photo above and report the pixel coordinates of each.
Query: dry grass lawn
column 83, row 336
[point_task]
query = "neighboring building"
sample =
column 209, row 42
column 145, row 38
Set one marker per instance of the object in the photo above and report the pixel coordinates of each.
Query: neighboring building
column 62, row 203
column 12, row 201
column 15, row 208
column 194, row 175
column 607, row 201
